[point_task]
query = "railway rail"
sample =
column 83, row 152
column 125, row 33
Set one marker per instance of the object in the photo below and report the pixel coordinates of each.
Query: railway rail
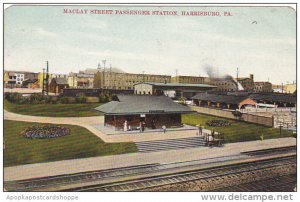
column 101, row 175
column 285, row 183
column 137, row 185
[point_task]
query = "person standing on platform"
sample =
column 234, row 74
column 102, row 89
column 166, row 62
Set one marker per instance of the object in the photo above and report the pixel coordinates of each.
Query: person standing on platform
column 213, row 133
column 125, row 126
column 141, row 127
column 164, row 128
column 200, row 130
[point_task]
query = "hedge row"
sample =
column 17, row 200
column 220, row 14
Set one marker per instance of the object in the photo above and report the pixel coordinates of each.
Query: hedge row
column 37, row 98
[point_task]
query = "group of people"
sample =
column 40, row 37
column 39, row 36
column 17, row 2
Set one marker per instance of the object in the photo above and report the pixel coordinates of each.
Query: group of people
column 209, row 137
column 212, row 138
column 45, row 132
column 142, row 126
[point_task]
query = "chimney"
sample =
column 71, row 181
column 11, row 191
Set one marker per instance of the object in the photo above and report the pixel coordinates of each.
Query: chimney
column 252, row 77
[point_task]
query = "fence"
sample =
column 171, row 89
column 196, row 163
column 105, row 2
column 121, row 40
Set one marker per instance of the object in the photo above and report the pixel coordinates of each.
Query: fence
column 251, row 118
column 281, row 109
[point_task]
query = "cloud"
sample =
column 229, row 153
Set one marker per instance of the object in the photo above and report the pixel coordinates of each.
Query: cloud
column 122, row 55
column 42, row 32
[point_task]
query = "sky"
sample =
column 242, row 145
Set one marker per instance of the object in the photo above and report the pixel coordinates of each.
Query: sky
column 258, row 40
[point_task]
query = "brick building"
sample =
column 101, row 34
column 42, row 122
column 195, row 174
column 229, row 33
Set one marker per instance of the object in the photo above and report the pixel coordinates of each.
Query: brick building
column 247, row 83
column 125, row 81
column 181, row 89
column 188, row 79
column 262, row 86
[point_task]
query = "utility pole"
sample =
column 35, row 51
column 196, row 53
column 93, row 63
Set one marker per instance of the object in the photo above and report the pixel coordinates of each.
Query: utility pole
column 43, row 91
column 176, row 72
column 47, row 78
column 103, row 73
column 280, row 128
column 237, row 79
column 281, row 87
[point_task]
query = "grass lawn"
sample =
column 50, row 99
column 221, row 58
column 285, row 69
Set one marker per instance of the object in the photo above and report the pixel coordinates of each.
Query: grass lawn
column 238, row 131
column 79, row 144
column 54, row 110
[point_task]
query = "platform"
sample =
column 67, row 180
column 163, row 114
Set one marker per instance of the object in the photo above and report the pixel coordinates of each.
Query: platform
column 124, row 160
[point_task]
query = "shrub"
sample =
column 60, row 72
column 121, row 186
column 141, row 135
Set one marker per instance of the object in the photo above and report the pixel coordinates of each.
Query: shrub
column 14, row 97
column 103, row 98
column 63, row 100
column 6, row 95
column 237, row 113
column 48, row 99
column 24, row 100
column 182, row 100
column 36, row 98
column 80, row 99
column 112, row 97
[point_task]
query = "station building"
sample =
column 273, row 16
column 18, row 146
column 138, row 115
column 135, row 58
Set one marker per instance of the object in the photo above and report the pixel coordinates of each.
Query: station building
column 277, row 99
column 153, row 111
column 222, row 101
column 57, row 85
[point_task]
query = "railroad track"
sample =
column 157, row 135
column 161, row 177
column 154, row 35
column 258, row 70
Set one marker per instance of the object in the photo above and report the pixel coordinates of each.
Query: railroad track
column 31, row 184
column 204, row 174
column 101, row 175
column 24, row 185
column 285, row 183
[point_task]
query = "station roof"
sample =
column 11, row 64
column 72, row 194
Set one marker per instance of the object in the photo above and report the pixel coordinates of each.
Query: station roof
column 229, row 99
column 274, row 97
column 235, row 99
column 177, row 85
column 142, row 104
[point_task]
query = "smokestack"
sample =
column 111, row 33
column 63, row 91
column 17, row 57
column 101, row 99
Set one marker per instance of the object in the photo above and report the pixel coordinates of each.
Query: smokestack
column 252, row 77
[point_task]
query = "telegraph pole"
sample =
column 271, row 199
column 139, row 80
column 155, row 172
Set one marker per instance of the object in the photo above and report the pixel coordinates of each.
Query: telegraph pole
column 237, row 79
column 47, row 78
column 43, row 91
column 103, row 72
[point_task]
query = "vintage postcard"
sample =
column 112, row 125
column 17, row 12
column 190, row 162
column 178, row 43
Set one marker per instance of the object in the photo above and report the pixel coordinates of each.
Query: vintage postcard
column 150, row 98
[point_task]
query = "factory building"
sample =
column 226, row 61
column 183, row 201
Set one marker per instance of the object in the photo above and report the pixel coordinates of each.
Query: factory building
column 125, row 81
column 180, row 89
